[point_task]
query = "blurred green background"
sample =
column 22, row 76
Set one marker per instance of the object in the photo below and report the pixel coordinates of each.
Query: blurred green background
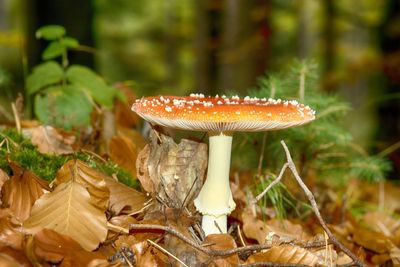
column 219, row 46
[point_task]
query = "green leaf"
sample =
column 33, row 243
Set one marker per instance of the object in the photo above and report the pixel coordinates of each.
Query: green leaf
column 50, row 32
column 92, row 83
column 53, row 50
column 69, row 42
column 43, row 75
column 63, row 106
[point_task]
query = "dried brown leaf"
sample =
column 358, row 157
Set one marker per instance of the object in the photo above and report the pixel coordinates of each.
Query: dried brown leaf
column 21, row 191
column 124, row 152
column 124, row 199
column 176, row 171
column 3, row 178
column 10, row 232
column 143, row 174
column 10, row 257
column 93, row 180
column 52, row 247
column 149, row 259
column 263, row 231
column 68, row 210
column 50, row 140
column 285, row 254
column 381, row 222
column 222, row 242
column 370, row 239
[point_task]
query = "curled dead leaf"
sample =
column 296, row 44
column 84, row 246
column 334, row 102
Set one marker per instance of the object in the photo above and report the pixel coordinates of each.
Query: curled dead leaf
column 68, row 210
column 176, row 171
column 21, row 191
column 93, row 180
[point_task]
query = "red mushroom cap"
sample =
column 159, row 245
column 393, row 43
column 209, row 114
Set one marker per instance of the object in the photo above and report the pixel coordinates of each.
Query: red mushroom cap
column 222, row 114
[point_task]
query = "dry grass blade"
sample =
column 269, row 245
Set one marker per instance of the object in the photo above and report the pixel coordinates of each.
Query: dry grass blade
column 285, row 254
column 68, row 211
column 94, row 181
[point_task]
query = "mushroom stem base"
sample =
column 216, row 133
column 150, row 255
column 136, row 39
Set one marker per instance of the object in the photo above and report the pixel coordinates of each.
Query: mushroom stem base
column 209, row 224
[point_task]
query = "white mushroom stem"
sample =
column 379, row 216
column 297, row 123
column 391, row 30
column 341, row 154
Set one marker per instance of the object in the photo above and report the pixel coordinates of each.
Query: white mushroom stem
column 215, row 200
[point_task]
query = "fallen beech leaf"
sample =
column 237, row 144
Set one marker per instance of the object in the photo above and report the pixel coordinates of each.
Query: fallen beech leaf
column 11, row 257
column 124, row 152
column 222, row 242
column 49, row 140
column 52, row 247
column 285, row 254
column 176, row 171
column 21, row 191
column 93, row 180
column 260, row 230
column 124, row 199
column 68, row 210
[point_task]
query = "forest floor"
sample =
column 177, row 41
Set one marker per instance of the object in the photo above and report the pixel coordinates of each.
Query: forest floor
column 63, row 203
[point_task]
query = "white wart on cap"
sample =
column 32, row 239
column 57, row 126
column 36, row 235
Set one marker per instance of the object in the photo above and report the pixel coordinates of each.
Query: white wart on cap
column 222, row 114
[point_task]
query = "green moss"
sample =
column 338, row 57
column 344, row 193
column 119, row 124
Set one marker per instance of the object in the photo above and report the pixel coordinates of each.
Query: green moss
column 22, row 151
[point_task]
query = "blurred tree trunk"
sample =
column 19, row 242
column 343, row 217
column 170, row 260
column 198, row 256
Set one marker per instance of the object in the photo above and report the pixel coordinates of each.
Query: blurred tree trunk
column 304, row 37
column 329, row 37
column 208, row 16
column 389, row 110
column 75, row 15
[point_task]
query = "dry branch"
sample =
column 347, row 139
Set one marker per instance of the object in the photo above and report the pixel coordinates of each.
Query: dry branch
column 313, row 203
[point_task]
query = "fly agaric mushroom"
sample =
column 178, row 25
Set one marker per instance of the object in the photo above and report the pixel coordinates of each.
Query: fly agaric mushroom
column 220, row 117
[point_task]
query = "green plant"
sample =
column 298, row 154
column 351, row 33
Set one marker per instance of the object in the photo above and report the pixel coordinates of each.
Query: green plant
column 324, row 147
column 19, row 149
column 65, row 95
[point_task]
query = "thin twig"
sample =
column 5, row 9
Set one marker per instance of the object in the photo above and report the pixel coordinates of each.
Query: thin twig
column 274, row 182
column 167, row 252
column 314, row 205
column 210, row 252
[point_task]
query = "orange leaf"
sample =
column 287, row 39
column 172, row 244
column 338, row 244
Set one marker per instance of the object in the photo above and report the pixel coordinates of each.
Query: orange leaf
column 68, row 210
column 124, row 152
column 124, row 199
column 52, row 247
column 285, row 254
column 21, row 191
column 93, row 180
column 222, row 242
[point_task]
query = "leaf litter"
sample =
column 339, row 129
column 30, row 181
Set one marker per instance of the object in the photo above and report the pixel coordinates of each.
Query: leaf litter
column 86, row 217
